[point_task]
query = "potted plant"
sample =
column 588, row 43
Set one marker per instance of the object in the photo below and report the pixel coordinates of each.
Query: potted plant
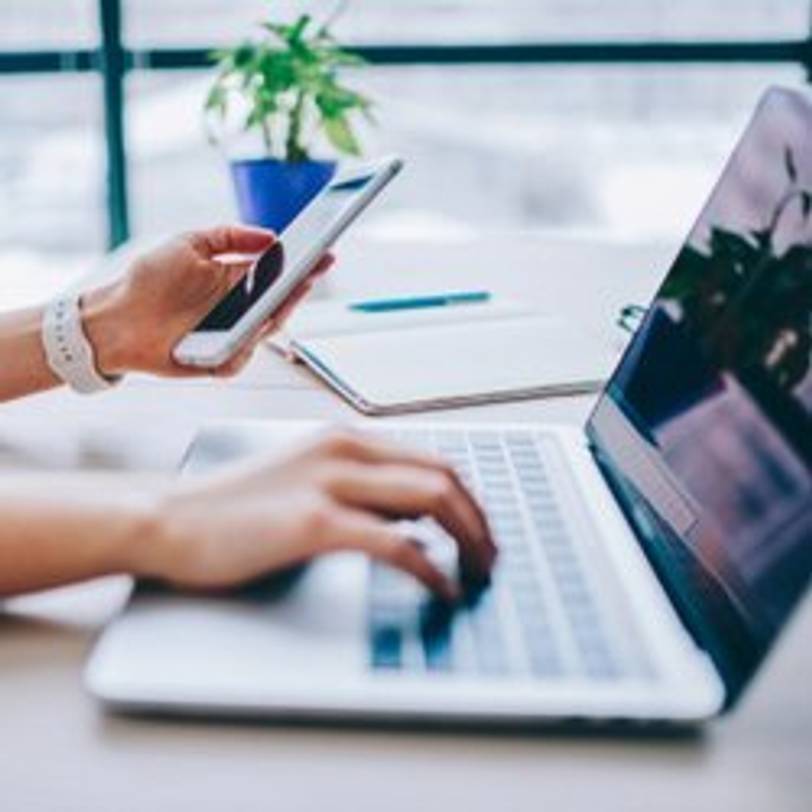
column 284, row 85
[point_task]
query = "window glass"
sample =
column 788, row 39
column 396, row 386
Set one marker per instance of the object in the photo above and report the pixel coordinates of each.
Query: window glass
column 514, row 147
column 48, row 24
column 51, row 163
column 150, row 23
column 177, row 179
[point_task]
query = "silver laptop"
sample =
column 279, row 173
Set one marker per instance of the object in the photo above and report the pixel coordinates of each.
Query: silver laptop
column 648, row 561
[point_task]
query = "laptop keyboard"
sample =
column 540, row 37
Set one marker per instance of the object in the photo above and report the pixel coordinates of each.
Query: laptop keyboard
column 539, row 616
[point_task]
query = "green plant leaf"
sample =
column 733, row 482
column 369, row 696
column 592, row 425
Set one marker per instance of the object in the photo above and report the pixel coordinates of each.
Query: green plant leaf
column 296, row 31
column 338, row 57
column 277, row 71
column 243, row 56
column 341, row 136
column 216, row 98
column 334, row 100
column 289, row 75
column 219, row 55
column 279, row 30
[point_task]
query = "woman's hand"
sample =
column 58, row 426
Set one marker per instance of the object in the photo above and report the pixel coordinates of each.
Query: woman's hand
column 340, row 493
column 135, row 323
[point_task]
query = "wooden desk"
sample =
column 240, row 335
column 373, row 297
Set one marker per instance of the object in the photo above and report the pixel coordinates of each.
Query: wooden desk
column 59, row 751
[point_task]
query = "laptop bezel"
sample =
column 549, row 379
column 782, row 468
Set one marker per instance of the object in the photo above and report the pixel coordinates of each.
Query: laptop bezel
column 726, row 637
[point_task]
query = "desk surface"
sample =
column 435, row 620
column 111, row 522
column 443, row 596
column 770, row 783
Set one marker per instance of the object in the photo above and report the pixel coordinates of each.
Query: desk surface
column 58, row 750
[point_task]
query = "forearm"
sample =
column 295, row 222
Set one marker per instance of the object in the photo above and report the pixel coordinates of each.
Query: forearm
column 24, row 369
column 47, row 541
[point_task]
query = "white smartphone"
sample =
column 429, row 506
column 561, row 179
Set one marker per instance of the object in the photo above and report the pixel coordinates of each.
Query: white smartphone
column 278, row 271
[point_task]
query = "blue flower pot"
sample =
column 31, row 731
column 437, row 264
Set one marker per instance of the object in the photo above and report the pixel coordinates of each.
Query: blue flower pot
column 270, row 193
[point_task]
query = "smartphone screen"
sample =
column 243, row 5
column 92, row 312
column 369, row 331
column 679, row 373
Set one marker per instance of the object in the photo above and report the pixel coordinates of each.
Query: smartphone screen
column 287, row 253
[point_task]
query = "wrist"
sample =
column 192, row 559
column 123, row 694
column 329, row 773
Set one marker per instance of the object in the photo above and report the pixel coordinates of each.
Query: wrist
column 162, row 550
column 105, row 326
column 147, row 542
column 128, row 530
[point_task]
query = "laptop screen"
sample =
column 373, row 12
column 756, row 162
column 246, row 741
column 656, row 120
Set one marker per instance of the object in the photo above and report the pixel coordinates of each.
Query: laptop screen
column 705, row 430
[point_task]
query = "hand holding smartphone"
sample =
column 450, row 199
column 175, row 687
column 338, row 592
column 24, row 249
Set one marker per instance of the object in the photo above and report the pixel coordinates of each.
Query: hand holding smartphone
column 280, row 269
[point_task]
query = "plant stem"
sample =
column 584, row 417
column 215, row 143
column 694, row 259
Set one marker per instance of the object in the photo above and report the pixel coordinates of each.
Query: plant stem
column 294, row 151
column 267, row 138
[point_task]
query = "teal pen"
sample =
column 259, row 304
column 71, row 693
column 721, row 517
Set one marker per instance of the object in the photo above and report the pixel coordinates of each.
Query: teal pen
column 422, row 302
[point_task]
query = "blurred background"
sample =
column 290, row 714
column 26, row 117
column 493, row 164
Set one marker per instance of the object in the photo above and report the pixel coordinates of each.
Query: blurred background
column 608, row 117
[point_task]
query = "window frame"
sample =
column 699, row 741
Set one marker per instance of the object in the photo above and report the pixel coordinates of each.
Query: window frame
column 113, row 61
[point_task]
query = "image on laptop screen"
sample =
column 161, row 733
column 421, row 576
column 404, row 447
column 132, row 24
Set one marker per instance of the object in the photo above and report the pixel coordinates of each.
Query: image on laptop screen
column 705, row 430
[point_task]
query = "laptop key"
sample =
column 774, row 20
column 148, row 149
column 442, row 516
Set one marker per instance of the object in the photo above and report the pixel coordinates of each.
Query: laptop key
column 598, row 661
column 485, row 625
column 435, row 634
column 544, row 659
column 386, row 643
column 509, row 474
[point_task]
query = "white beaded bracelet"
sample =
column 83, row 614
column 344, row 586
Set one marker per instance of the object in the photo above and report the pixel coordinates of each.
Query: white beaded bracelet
column 67, row 349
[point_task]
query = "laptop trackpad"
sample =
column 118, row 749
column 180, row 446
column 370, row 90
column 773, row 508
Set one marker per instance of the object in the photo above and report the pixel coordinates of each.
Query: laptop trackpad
column 280, row 631
column 210, row 648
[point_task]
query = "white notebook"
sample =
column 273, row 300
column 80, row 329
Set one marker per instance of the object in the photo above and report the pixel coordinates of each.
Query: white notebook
column 404, row 361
